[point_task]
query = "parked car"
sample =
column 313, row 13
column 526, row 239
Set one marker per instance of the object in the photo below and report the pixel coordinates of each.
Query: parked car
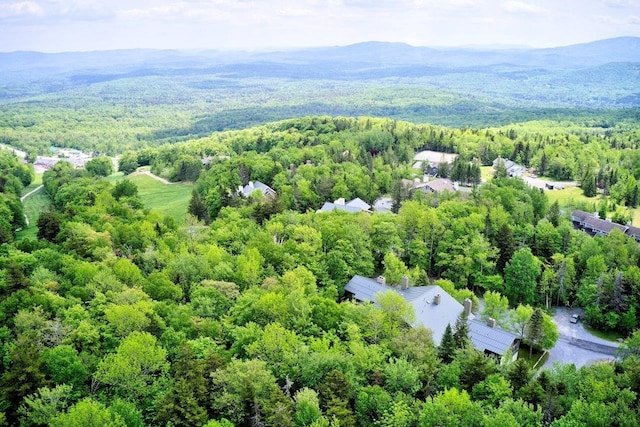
column 574, row 318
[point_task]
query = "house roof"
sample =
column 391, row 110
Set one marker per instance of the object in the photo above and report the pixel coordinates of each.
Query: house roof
column 383, row 205
column 330, row 207
column 438, row 185
column 436, row 316
column 257, row 185
column 365, row 289
column 485, row 337
column 581, row 215
column 633, row 231
column 359, row 203
column 509, row 165
column 602, row 225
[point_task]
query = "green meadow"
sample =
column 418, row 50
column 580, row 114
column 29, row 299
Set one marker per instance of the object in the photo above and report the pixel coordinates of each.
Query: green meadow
column 167, row 199
column 33, row 205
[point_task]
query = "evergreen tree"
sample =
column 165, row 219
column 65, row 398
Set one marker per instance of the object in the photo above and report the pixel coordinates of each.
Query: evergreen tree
column 534, row 329
column 506, row 245
column 461, row 335
column 198, row 208
column 519, row 374
column 447, row 346
column 554, row 214
column 588, row 184
column 542, row 168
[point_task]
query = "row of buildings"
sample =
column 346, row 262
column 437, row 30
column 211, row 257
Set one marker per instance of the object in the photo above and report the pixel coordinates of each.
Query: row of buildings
column 592, row 224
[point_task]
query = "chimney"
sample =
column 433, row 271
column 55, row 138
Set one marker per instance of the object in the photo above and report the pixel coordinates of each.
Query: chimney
column 491, row 322
column 467, row 306
column 240, row 189
column 250, row 184
column 340, row 201
column 436, row 299
column 382, row 280
column 404, row 285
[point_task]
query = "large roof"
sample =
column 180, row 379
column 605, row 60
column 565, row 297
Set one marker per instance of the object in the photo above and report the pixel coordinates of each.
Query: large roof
column 435, row 316
column 441, row 184
column 581, row 215
column 330, row 207
column 257, row 185
column 359, row 203
column 495, row 340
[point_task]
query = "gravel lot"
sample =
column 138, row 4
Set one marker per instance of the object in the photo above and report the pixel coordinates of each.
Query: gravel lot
column 576, row 345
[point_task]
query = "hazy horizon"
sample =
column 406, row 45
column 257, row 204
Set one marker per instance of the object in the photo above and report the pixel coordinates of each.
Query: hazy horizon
column 90, row 25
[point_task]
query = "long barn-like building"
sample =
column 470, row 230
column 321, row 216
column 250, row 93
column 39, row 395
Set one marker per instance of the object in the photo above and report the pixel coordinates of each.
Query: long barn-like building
column 592, row 224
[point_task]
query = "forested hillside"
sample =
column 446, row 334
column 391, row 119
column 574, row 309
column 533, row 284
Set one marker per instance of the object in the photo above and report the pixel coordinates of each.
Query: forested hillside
column 121, row 316
column 109, row 102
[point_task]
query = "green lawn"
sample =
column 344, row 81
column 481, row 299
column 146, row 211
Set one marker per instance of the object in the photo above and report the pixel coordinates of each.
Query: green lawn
column 37, row 181
column 570, row 196
column 612, row 336
column 33, row 205
column 172, row 200
column 486, row 172
column 523, row 353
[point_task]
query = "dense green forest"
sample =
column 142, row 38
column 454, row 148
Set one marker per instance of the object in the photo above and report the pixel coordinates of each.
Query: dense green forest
column 235, row 315
column 117, row 315
column 110, row 102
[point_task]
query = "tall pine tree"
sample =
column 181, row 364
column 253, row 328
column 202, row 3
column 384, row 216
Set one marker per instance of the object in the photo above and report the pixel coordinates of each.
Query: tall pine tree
column 461, row 335
column 447, row 346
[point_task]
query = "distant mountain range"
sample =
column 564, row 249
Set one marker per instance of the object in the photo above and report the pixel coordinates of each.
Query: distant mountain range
column 341, row 59
column 604, row 73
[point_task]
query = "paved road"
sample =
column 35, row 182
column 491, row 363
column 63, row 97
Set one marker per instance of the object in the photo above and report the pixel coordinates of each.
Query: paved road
column 576, row 345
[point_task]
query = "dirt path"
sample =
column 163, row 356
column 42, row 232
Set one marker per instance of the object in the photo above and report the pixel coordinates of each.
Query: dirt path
column 31, row 192
column 156, row 177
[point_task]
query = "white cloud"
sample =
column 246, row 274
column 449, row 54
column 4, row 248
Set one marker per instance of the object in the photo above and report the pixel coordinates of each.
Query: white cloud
column 623, row 3
column 20, row 9
column 523, row 8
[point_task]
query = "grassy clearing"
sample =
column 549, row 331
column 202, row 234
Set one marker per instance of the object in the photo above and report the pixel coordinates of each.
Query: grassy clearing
column 172, row 200
column 523, row 353
column 486, row 172
column 605, row 335
column 570, row 196
column 37, row 181
column 33, row 205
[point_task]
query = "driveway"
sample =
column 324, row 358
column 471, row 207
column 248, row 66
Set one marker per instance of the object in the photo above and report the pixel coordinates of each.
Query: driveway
column 576, row 345
column 540, row 182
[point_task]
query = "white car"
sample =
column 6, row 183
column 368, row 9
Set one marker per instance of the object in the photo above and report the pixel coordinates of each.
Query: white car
column 574, row 318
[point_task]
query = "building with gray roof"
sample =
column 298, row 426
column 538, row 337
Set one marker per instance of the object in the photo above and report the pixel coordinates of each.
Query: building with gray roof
column 435, row 309
column 253, row 186
column 354, row 205
column 330, row 207
column 592, row 224
column 513, row 169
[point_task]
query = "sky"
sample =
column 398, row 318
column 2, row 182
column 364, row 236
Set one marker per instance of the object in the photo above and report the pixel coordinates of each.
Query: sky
column 84, row 25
